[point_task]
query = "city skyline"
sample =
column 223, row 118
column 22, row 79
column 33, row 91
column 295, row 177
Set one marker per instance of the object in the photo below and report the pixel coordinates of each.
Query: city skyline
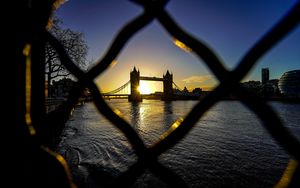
column 230, row 28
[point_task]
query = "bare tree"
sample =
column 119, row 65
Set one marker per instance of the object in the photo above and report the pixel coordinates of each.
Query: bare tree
column 75, row 46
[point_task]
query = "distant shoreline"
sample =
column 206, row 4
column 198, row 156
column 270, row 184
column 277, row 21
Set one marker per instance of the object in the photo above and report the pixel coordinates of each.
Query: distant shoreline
column 198, row 98
column 279, row 99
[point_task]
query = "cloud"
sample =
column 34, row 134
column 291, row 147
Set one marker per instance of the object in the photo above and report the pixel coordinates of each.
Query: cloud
column 197, row 79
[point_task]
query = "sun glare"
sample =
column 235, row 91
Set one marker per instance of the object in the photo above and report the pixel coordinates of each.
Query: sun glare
column 144, row 88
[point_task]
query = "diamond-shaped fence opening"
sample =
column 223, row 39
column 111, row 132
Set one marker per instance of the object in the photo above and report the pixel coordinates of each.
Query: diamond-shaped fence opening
column 41, row 128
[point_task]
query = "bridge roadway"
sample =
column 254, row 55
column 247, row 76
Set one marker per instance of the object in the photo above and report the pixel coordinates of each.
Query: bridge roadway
column 151, row 78
column 115, row 95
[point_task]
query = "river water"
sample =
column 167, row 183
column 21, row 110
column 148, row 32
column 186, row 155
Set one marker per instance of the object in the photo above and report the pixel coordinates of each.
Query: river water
column 228, row 147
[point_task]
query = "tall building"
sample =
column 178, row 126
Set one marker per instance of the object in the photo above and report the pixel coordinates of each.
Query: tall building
column 135, row 94
column 264, row 75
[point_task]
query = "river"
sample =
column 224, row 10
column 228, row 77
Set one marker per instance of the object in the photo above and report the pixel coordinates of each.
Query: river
column 228, row 147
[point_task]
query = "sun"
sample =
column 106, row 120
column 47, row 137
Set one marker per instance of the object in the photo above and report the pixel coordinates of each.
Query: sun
column 144, row 88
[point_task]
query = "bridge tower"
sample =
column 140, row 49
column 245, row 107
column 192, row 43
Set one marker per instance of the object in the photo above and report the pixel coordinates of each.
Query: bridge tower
column 167, row 84
column 135, row 95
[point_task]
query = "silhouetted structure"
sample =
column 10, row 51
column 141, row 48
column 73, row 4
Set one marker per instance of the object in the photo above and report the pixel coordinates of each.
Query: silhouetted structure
column 264, row 75
column 135, row 95
column 289, row 83
column 167, row 84
column 197, row 91
column 61, row 88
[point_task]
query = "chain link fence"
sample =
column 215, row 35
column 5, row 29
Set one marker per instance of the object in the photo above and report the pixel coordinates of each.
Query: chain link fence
column 37, row 134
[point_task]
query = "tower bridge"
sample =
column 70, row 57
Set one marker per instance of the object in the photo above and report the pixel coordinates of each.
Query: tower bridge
column 133, row 84
column 135, row 78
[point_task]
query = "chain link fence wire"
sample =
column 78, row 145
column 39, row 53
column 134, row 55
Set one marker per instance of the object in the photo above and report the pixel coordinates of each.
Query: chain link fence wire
column 228, row 84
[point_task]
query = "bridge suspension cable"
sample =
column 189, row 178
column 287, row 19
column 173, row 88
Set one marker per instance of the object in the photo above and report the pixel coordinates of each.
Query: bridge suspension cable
column 123, row 87
column 177, row 87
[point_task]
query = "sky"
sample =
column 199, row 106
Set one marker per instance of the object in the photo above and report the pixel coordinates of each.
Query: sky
column 229, row 27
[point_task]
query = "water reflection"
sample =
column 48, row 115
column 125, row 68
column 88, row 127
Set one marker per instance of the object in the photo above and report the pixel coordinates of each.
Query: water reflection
column 139, row 119
column 151, row 119
column 135, row 114
column 168, row 117
column 140, row 115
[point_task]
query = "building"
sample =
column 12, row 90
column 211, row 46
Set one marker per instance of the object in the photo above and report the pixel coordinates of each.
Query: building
column 61, row 88
column 197, row 90
column 270, row 88
column 264, row 75
column 289, row 83
column 253, row 86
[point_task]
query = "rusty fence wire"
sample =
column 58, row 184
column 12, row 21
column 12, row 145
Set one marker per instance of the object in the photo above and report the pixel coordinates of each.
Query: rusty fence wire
column 147, row 156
